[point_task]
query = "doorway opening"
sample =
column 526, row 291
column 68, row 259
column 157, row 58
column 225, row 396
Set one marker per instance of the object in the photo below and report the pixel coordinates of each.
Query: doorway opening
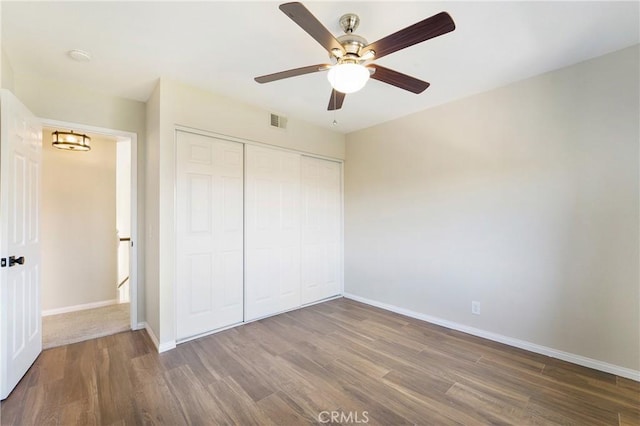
column 89, row 244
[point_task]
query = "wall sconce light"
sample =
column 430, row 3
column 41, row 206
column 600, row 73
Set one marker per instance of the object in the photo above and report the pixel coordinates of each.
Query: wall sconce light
column 71, row 141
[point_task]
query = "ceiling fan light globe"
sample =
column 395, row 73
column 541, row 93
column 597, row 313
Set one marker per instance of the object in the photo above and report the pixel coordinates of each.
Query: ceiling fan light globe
column 348, row 78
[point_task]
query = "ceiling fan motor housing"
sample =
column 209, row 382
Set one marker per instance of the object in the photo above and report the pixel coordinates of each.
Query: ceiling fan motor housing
column 351, row 43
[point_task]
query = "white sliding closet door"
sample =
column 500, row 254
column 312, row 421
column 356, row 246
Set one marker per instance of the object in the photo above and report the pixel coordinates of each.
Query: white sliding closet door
column 209, row 291
column 321, row 229
column 272, row 223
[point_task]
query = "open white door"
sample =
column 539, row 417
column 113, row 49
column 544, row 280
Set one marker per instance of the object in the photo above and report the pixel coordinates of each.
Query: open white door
column 20, row 171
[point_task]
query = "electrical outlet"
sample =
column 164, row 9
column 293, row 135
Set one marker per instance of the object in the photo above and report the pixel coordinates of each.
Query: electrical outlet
column 475, row 307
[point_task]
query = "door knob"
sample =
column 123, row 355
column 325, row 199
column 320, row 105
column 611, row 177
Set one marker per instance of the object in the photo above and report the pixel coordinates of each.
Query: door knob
column 13, row 260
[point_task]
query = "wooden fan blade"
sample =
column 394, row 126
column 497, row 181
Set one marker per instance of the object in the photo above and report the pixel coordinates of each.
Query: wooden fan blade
column 292, row 73
column 336, row 100
column 301, row 16
column 417, row 33
column 398, row 79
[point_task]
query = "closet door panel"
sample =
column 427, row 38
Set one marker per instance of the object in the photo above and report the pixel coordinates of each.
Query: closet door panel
column 321, row 229
column 209, row 234
column 272, row 223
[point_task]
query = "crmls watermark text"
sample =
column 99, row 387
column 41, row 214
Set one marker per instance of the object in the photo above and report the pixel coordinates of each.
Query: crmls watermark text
column 343, row 417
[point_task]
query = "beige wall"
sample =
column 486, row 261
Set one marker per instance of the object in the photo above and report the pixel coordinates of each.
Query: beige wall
column 2, row 56
column 174, row 104
column 54, row 100
column 78, row 219
column 6, row 76
column 67, row 102
column 524, row 198
column 152, row 198
column 193, row 107
column 123, row 216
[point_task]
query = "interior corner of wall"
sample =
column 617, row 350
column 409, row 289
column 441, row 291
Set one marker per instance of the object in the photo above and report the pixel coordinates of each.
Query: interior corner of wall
column 6, row 72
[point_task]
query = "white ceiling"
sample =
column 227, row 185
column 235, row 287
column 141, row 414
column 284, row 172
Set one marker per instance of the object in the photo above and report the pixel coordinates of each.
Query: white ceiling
column 221, row 46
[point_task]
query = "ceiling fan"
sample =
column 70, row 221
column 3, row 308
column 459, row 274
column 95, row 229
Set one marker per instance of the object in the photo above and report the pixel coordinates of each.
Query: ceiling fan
column 351, row 55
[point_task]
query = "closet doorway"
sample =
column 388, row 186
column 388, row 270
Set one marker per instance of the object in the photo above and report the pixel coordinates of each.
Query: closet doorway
column 258, row 232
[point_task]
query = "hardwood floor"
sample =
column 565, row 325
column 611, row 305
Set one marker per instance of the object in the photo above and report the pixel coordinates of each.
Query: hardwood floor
column 341, row 358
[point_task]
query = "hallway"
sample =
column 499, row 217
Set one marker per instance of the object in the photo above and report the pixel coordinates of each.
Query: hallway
column 78, row 326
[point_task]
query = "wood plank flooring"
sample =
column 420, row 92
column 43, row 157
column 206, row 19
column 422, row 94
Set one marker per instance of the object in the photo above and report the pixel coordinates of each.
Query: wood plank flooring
column 341, row 358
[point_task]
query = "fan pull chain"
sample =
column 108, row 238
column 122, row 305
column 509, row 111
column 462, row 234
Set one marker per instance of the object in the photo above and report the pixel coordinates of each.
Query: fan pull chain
column 335, row 123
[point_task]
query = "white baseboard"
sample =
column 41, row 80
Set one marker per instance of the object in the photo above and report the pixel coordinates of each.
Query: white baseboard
column 151, row 334
column 522, row 344
column 166, row 346
column 160, row 347
column 75, row 308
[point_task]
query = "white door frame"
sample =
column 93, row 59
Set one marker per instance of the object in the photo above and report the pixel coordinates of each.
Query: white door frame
column 133, row 262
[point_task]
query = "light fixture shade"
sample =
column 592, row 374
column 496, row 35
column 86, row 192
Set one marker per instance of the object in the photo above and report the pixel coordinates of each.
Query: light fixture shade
column 348, row 78
column 71, row 141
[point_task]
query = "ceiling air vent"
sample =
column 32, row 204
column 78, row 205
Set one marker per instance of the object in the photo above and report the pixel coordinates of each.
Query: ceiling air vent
column 278, row 121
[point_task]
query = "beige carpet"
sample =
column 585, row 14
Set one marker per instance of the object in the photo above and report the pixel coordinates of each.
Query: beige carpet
column 73, row 327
